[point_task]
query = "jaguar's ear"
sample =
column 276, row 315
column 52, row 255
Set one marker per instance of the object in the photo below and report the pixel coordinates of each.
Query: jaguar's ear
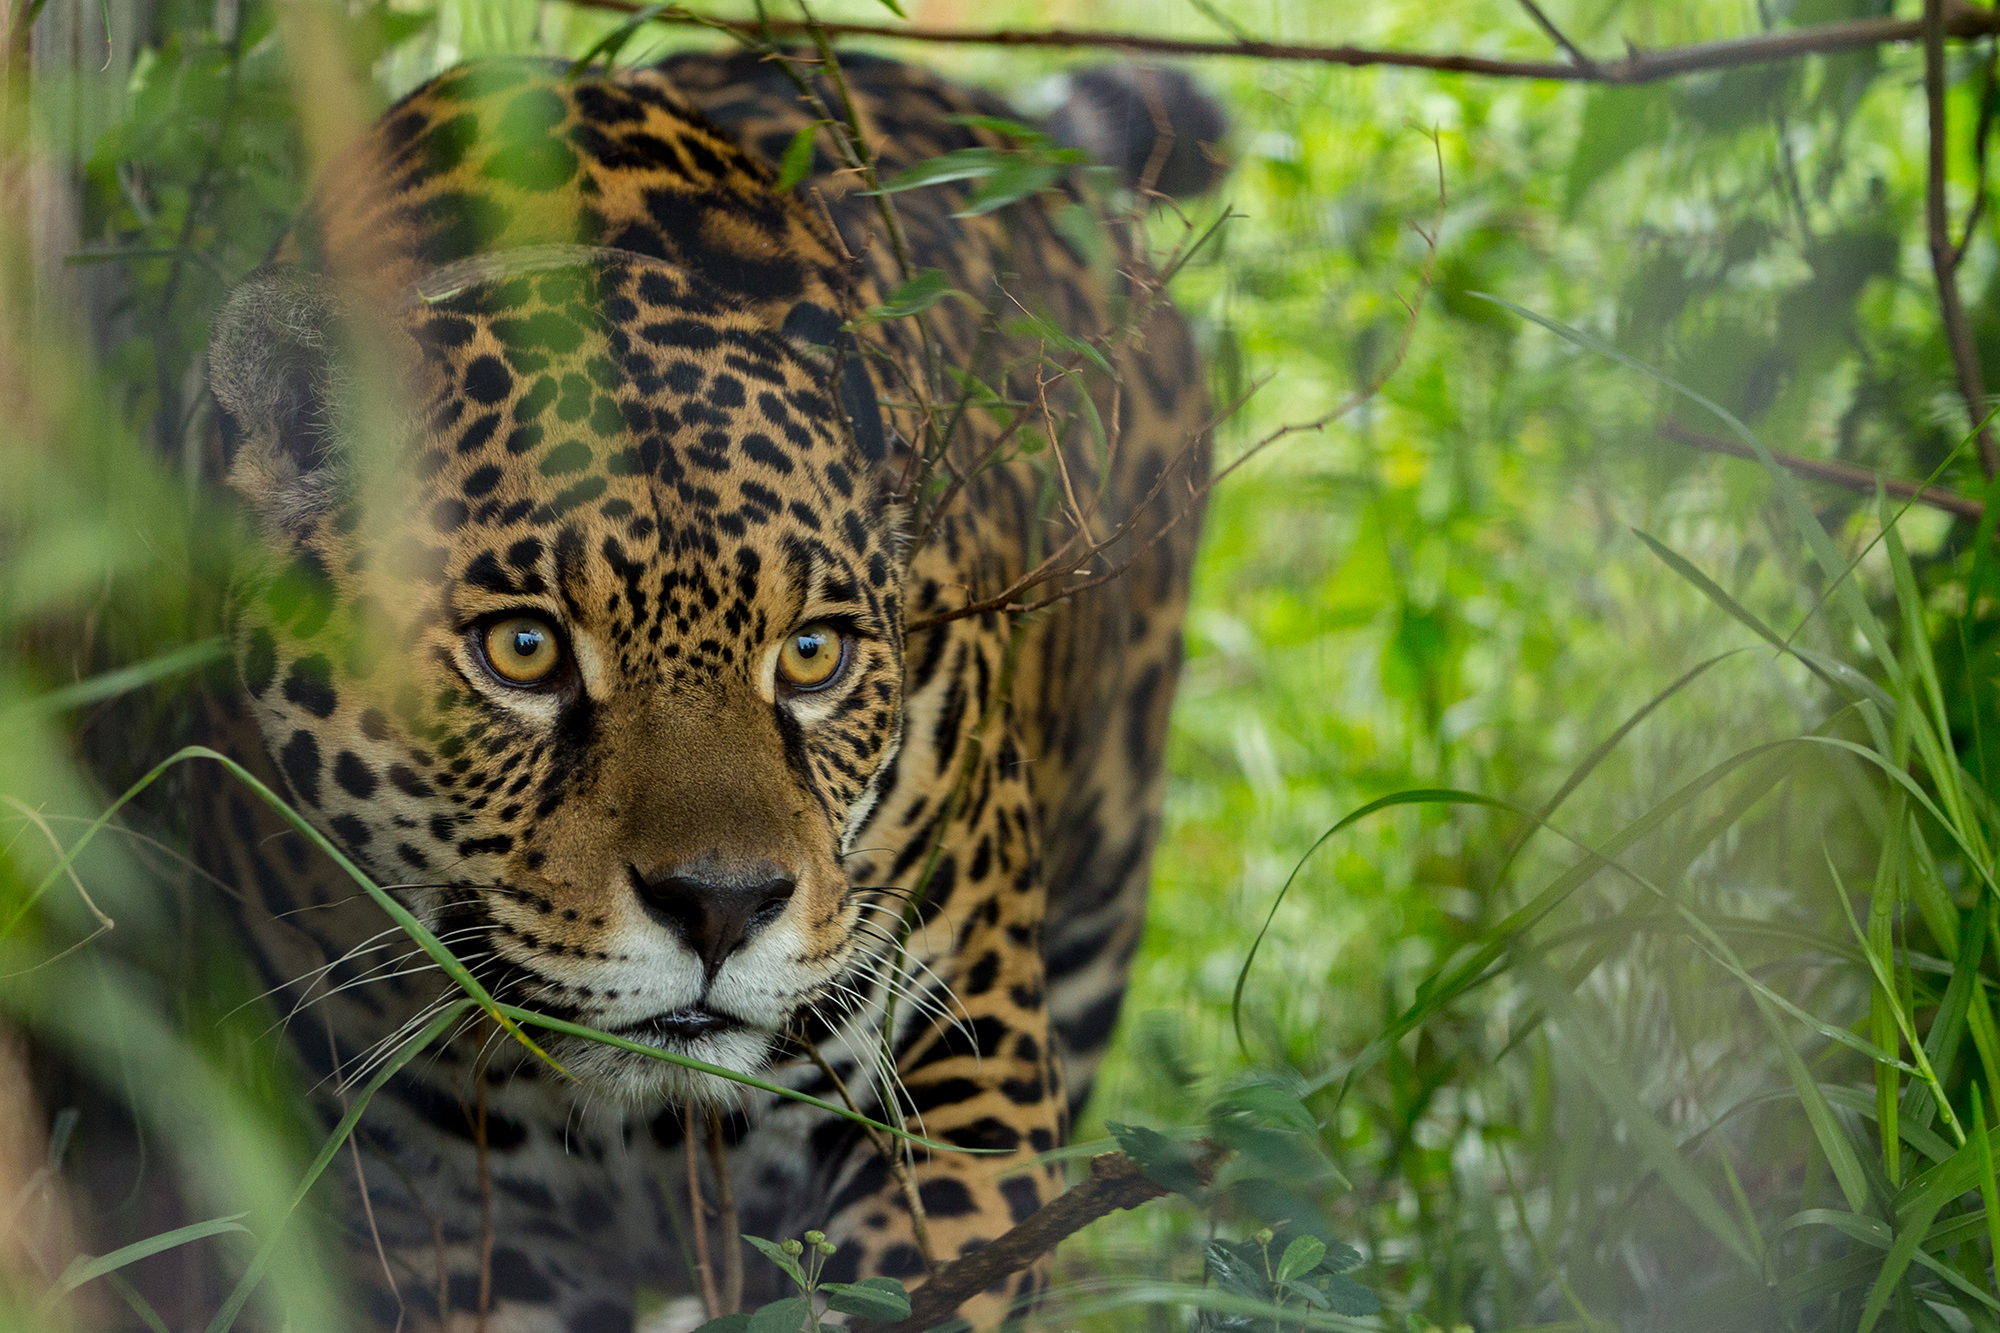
column 274, row 370
column 816, row 334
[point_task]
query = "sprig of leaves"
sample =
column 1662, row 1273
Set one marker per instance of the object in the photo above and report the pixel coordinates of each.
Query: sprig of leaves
column 1005, row 175
column 803, row 1261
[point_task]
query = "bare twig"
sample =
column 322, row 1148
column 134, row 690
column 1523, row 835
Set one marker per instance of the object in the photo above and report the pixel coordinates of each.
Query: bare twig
column 485, row 1198
column 727, row 1222
column 1066, row 561
column 1557, row 35
column 1944, row 255
column 1114, row 1183
column 711, row 1296
column 1638, row 66
column 1989, row 102
column 1847, row 475
column 361, row 1176
column 898, row 1167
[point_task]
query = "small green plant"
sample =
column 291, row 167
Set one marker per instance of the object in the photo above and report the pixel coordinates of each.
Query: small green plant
column 1309, row 1275
column 879, row 1298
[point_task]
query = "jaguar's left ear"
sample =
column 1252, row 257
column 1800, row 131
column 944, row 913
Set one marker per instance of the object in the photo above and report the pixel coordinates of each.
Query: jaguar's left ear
column 275, row 373
column 815, row 333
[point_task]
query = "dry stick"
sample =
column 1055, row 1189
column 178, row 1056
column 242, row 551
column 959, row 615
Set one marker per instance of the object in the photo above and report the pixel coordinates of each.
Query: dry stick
column 485, row 1199
column 1944, row 255
column 1637, row 67
column 360, row 1176
column 726, row 1218
column 1839, row 474
column 1114, row 1183
column 710, row 1297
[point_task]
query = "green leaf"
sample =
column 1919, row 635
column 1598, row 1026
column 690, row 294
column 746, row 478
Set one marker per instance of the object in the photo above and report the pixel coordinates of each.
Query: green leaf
column 84, row 1268
column 1709, row 587
column 1304, row 1290
column 1013, row 129
column 1989, row 1188
column 726, row 1323
column 1301, row 1256
column 1592, row 1058
column 770, row 1250
column 1046, row 331
column 870, row 1298
column 139, row 1304
column 1016, row 178
column 786, row 1316
column 1341, row 1258
column 797, row 161
column 232, row 1305
column 923, row 290
column 1265, row 1101
column 1349, row 1297
column 609, row 45
column 1159, row 1158
column 1616, row 122
column 121, row 680
column 959, row 165
column 1237, row 1268
column 1421, row 796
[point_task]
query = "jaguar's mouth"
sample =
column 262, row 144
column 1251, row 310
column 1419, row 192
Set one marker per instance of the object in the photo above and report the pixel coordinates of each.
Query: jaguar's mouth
column 679, row 1027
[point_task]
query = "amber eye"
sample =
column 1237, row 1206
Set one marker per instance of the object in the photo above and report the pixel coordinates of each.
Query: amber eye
column 521, row 650
column 811, row 657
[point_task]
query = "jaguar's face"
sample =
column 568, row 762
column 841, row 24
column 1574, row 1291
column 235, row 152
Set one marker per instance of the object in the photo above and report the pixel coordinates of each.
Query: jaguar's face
column 602, row 662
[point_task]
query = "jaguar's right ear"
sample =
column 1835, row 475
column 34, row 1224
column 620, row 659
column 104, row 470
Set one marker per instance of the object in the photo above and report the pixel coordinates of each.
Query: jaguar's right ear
column 273, row 366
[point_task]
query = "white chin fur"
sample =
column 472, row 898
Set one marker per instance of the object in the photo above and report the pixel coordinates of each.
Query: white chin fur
column 637, row 1080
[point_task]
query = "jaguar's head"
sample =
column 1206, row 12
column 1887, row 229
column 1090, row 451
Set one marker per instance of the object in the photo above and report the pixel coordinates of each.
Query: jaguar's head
column 594, row 652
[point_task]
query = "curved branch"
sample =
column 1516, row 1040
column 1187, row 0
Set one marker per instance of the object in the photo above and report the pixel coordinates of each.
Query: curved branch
column 1114, row 1182
column 1861, row 479
column 1638, row 66
column 1945, row 255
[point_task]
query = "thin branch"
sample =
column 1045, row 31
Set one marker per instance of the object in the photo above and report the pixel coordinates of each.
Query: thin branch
column 1114, row 1183
column 1064, row 562
column 1638, row 66
column 485, row 1200
column 1944, row 255
column 1989, row 102
column 711, row 1296
column 898, row 1168
column 1557, row 35
column 1846, row 475
column 361, row 1176
column 727, row 1221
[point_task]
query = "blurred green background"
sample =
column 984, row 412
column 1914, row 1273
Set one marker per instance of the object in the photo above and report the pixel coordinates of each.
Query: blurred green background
column 1444, row 590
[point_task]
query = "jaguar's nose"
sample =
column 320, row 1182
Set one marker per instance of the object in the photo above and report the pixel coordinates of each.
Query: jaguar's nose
column 714, row 909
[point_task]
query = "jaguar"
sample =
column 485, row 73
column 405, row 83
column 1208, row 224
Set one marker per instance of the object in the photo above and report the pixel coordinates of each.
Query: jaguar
column 652, row 598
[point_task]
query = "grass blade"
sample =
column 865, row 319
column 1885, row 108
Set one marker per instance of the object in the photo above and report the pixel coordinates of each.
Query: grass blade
column 85, row 1268
column 231, row 1307
column 1594, row 1060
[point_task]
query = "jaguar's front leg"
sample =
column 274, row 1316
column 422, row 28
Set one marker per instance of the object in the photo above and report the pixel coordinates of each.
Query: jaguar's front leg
column 975, row 1066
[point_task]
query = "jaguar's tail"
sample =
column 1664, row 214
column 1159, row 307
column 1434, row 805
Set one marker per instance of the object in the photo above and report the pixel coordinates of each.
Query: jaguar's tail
column 1156, row 125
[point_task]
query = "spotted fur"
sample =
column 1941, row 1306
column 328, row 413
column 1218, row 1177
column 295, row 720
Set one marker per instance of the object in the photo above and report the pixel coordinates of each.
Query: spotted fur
column 559, row 346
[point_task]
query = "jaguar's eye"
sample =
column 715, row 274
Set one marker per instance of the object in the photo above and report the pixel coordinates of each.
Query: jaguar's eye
column 811, row 658
column 522, row 650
